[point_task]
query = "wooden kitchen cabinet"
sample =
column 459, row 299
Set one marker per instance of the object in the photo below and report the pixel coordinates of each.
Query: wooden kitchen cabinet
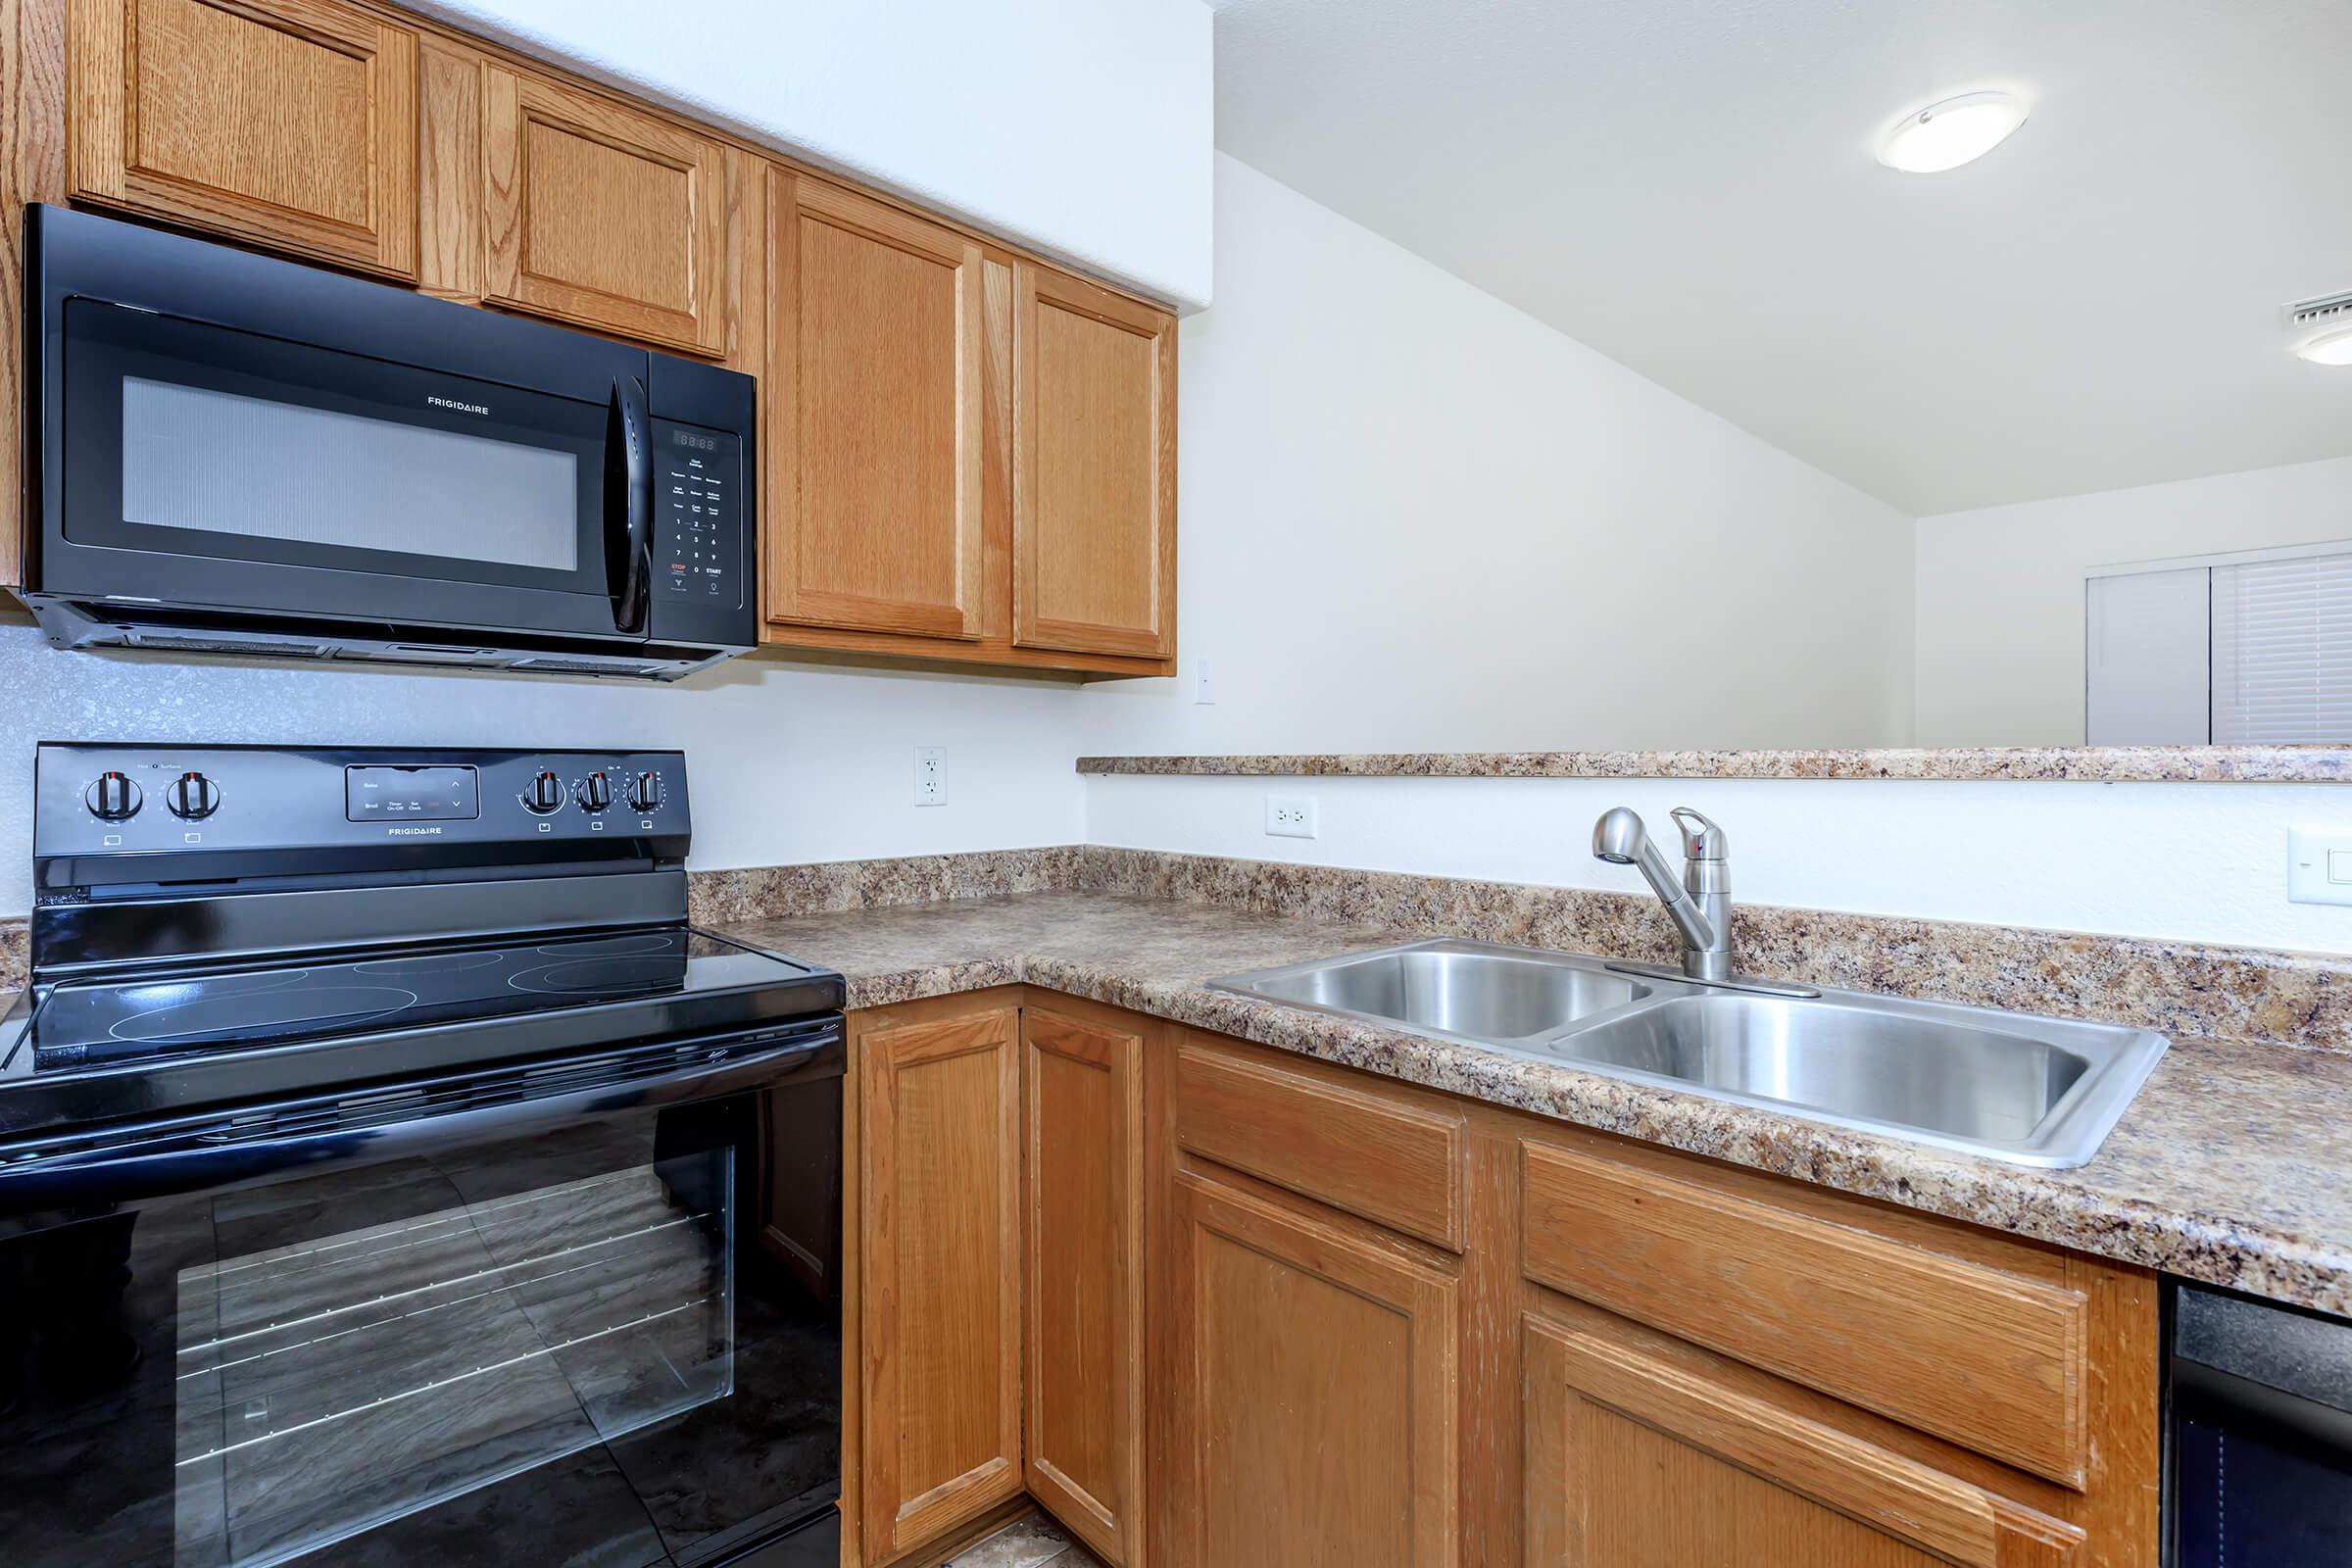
column 1094, row 474
column 600, row 215
column 284, row 123
column 1638, row 1459
column 938, row 1332
column 1315, row 1410
column 877, row 367
column 1083, row 1249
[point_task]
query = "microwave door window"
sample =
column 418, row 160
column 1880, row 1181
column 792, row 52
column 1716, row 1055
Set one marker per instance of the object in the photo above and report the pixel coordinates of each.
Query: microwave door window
column 236, row 456
column 218, row 462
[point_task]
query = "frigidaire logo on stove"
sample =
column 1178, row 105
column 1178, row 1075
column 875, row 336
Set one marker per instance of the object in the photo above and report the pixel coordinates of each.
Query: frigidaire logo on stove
column 450, row 403
column 413, row 832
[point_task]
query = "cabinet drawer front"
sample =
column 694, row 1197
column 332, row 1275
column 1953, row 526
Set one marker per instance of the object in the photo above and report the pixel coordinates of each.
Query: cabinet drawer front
column 1985, row 1358
column 1395, row 1165
column 289, row 123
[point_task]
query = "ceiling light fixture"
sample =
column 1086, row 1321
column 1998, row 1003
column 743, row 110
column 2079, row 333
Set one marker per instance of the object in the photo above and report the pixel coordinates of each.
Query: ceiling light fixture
column 1958, row 131
column 2328, row 347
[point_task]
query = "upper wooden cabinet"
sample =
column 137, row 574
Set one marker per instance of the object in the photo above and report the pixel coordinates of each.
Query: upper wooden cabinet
column 289, row 123
column 1094, row 475
column 600, row 215
column 876, row 379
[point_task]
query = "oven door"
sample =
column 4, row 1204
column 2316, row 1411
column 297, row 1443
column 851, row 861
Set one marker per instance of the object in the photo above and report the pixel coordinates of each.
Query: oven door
column 208, row 469
column 556, row 1327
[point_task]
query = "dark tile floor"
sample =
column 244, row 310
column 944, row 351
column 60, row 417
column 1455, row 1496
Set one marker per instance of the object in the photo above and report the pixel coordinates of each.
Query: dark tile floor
column 1032, row 1542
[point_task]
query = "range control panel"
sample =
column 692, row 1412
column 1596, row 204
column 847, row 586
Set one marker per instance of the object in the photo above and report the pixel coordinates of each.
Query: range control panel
column 286, row 805
column 698, row 511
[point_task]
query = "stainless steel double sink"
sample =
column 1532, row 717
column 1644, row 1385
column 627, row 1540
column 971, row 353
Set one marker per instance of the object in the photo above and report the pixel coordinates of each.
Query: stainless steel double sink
column 2009, row 1086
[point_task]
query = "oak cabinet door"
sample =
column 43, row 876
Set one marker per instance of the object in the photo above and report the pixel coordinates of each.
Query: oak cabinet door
column 1094, row 475
column 601, row 215
column 1634, row 1460
column 1084, row 1246
column 874, row 389
column 939, row 1245
column 1316, row 1393
column 288, row 123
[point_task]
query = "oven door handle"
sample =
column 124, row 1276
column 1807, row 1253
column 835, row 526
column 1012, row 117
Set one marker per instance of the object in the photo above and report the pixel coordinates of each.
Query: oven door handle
column 180, row 1155
column 629, row 505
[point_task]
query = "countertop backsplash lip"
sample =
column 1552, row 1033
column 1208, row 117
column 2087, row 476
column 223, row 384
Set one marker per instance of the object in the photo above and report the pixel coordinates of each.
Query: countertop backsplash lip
column 2087, row 764
column 2176, row 988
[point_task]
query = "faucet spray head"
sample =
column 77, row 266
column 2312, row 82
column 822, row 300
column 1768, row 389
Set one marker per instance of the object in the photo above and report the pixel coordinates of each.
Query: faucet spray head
column 1618, row 837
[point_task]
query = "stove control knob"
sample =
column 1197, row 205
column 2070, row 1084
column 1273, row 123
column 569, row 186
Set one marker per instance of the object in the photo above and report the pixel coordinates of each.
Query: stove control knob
column 645, row 791
column 112, row 798
column 596, row 793
column 544, row 794
column 193, row 796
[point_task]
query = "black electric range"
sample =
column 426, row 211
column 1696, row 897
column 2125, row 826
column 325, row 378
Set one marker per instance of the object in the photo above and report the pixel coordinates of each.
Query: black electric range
column 389, row 1171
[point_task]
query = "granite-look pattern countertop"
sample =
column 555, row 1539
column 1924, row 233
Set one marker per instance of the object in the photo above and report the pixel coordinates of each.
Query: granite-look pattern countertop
column 2233, row 1165
column 2098, row 765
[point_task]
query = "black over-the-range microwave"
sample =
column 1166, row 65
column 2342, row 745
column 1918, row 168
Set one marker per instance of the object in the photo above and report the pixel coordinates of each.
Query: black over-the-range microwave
column 232, row 454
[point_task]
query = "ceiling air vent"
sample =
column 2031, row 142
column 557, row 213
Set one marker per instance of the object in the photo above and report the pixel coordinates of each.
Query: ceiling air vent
column 2333, row 310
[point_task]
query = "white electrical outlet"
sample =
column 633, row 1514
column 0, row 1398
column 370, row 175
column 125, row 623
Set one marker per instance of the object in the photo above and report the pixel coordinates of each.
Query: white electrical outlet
column 1291, row 816
column 1205, row 687
column 2319, row 867
column 930, row 775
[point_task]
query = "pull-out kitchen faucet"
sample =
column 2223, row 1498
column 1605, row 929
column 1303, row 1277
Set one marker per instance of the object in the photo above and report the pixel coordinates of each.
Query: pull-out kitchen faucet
column 1701, row 902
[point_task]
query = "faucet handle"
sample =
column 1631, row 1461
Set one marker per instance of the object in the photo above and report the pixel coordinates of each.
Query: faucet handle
column 1702, row 838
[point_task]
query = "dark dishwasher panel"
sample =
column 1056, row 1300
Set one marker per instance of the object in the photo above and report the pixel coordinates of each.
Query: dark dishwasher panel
column 2261, row 1432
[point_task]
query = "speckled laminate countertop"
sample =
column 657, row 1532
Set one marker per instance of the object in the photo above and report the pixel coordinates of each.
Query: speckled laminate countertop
column 2233, row 1165
column 2101, row 764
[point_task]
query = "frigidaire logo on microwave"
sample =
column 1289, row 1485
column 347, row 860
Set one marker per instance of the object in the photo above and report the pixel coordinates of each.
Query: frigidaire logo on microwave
column 450, row 403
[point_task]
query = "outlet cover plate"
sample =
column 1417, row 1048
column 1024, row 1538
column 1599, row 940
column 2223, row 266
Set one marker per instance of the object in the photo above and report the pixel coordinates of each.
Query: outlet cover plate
column 1291, row 816
column 2319, row 867
column 930, row 775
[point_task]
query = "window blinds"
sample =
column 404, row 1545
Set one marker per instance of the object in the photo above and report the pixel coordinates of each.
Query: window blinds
column 2283, row 650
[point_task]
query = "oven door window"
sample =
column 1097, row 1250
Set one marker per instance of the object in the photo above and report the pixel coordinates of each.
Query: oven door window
column 551, row 1349
column 207, row 445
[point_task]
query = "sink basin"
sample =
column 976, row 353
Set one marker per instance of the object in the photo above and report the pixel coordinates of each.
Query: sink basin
column 1462, row 990
column 2010, row 1086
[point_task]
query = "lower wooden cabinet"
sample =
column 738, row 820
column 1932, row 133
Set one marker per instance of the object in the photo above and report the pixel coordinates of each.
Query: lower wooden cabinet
column 938, row 1364
column 1083, row 1313
column 1313, row 1402
column 1635, row 1458
column 1218, row 1306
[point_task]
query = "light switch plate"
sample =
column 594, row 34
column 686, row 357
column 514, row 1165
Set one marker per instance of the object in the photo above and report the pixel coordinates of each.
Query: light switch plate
column 2318, row 866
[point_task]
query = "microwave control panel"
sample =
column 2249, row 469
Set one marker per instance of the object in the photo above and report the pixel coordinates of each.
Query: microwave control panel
column 699, row 515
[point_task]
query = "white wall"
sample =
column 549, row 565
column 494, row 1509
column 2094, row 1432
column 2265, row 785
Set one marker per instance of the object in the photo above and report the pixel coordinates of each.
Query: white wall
column 2000, row 621
column 787, row 763
column 1415, row 519
column 2194, row 862
column 1077, row 128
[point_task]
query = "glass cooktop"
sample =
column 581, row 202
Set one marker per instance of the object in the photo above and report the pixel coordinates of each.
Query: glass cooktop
column 93, row 1024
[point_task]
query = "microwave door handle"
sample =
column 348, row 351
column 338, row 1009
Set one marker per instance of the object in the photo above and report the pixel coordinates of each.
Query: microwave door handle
column 629, row 507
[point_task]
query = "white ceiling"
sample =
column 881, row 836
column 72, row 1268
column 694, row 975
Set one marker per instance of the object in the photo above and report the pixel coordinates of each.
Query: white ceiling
column 1688, row 186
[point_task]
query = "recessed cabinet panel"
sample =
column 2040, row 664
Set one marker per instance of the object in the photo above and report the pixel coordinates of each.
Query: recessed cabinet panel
column 1315, row 1399
column 1093, row 488
column 1083, row 1305
column 874, row 395
column 938, row 1244
column 289, row 123
column 598, row 215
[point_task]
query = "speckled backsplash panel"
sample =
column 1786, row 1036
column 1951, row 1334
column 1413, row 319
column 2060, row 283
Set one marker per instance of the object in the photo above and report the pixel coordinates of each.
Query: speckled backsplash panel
column 778, row 892
column 2176, row 987
column 16, row 954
